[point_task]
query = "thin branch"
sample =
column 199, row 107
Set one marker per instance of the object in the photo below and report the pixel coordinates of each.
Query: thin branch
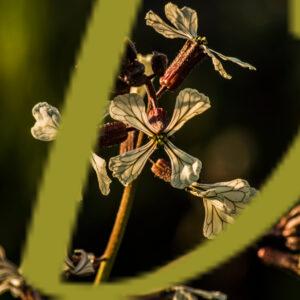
column 119, row 228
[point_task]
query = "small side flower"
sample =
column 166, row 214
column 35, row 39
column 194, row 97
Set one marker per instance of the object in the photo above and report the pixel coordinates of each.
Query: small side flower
column 47, row 122
column 222, row 201
column 46, row 128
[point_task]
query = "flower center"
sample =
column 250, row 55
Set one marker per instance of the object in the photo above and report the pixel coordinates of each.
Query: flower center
column 160, row 139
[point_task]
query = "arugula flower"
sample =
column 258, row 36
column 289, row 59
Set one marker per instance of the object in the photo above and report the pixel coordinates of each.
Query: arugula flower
column 131, row 110
column 185, row 26
column 222, row 201
column 46, row 128
column 10, row 278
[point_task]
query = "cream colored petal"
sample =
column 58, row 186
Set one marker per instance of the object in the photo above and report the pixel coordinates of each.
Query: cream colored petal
column 161, row 27
column 216, row 63
column 215, row 219
column 191, row 20
column 47, row 122
column 189, row 103
column 223, row 201
column 185, row 168
column 99, row 165
column 180, row 19
column 127, row 167
column 131, row 110
column 234, row 60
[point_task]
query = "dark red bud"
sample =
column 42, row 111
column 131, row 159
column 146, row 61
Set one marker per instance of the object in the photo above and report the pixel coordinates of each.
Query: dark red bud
column 162, row 169
column 189, row 56
column 159, row 63
column 157, row 118
column 112, row 134
column 133, row 74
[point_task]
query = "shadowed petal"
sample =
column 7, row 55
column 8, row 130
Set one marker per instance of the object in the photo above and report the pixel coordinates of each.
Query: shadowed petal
column 189, row 103
column 127, row 167
column 161, row 27
column 185, row 20
column 191, row 20
column 185, row 168
column 218, row 65
column 47, row 121
column 131, row 110
column 99, row 165
column 234, row 60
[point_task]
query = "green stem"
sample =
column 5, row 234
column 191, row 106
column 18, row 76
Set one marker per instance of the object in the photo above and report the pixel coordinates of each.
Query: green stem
column 118, row 231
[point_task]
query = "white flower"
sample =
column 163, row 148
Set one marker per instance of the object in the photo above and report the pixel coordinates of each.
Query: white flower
column 47, row 121
column 46, row 128
column 185, row 22
column 222, row 201
column 131, row 110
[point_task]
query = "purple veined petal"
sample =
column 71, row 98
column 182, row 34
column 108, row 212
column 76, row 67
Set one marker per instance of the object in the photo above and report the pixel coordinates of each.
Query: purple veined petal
column 189, row 103
column 185, row 19
column 127, row 167
column 163, row 28
column 185, row 168
column 131, row 110
column 223, row 201
column 99, row 165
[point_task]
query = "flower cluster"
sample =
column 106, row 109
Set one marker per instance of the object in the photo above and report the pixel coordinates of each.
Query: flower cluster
column 131, row 113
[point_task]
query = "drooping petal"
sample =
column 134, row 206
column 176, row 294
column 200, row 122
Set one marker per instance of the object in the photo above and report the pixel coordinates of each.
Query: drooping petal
column 182, row 19
column 127, row 167
column 99, row 165
column 223, row 201
column 215, row 219
column 131, row 110
column 161, row 27
column 189, row 103
column 47, row 121
column 185, row 168
column 234, row 60
column 216, row 63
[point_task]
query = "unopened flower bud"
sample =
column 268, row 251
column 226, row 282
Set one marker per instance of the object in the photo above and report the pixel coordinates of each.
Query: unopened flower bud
column 134, row 75
column 190, row 55
column 157, row 118
column 120, row 88
column 162, row 169
column 159, row 63
column 112, row 134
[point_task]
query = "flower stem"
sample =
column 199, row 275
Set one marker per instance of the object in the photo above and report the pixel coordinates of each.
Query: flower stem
column 118, row 231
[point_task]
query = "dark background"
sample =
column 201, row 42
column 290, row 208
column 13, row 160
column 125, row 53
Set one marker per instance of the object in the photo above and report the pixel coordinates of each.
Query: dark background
column 249, row 127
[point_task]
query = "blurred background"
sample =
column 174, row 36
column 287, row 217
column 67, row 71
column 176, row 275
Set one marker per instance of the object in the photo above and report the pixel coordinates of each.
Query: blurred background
column 251, row 123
